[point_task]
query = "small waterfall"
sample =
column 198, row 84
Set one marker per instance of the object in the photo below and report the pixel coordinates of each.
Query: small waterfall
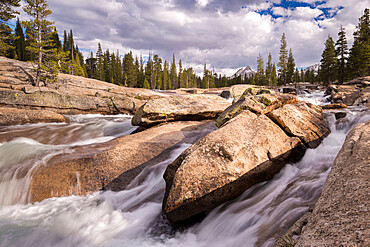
column 20, row 156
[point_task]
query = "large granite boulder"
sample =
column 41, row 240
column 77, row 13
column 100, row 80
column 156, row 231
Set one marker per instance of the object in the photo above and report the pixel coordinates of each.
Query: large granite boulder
column 112, row 165
column 179, row 108
column 341, row 214
column 13, row 116
column 247, row 150
column 259, row 104
column 354, row 92
column 303, row 120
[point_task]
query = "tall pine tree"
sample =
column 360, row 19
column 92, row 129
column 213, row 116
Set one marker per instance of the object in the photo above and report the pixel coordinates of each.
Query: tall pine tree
column 260, row 76
column 341, row 52
column 40, row 29
column 20, row 42
column 283, row 60
column 290, row 67
column 359, row 58
column 328, row 62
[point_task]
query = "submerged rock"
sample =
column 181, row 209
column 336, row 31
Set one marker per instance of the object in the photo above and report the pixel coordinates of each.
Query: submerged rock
column 334, row 106
column 13, row 116
column 179, row 108
column 112, row 165
column 341, row 214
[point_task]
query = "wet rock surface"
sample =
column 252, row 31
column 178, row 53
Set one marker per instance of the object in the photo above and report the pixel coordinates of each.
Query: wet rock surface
column 341, row 214
column 247, row 149
column 303, row 120
column 112, row 165
column 259, row 104
column 13, row 116
column 219, row 167
column 179, row 108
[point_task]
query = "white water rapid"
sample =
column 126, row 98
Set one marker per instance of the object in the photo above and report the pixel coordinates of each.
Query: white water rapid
column 133, row 217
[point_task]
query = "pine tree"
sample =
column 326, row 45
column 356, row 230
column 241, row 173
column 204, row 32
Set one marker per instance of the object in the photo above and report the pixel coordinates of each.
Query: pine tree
column 166, row 78
column 180, row 80
column 283, row 60
column 157, row 71
column 7, row 13
column 274, row 80
column 328, row 62
column 341, row 52
column 40, row 29
column 20, row 42
column 290, row 67
column 91, row 65
column 100, row 64
column 269, row 68
column 359, row 58
column 260, row 76
column 173, row 73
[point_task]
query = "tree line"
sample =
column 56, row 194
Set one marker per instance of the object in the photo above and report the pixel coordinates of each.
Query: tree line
column 342, row 64
column 37, row 40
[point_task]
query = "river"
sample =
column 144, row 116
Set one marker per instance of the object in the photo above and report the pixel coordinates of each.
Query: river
column 133, row 217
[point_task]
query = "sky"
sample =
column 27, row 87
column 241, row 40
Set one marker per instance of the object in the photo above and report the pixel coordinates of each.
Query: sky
column 226, row 35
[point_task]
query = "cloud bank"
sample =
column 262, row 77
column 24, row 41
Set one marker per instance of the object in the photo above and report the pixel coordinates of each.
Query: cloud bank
column 224, row 34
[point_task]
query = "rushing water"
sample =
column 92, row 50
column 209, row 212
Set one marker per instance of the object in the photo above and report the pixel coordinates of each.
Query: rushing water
column 133, row 217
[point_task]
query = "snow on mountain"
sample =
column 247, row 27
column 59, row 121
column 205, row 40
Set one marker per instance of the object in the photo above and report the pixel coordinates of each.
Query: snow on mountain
column 314, row 67
column 247, row 71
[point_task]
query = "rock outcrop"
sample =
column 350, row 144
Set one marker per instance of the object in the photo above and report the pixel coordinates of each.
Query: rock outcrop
column 248, row 149
column 303, row 120
column 12, row 116
column 341, row 214
column 334, row 106
column 355, row 92
column 237, row 91
column 69, row 95
column 112, row 165
column 179, row 108
column 259, row 104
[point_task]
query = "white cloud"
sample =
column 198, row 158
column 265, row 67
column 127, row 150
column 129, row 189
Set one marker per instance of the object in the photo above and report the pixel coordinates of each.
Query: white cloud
column 219, row 33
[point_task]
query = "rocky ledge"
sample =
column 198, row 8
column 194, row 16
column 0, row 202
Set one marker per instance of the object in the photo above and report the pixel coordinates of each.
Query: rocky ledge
column 69, row 95
column 340, row 217
column 12, row 116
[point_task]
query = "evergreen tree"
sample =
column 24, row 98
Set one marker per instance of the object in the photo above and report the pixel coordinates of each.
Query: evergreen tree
column 290, row 67
column 274, row 80
column 7, row 13
column 129, row 70
column 180, row 80
column 166, row 77
column 41, row 30
column 157, row 71
column 283, row 60
column 260, row 76
column 328, row 62
column 269, row 68
column 359, row 58
column 91, row 65
column 100, row 64
column 341, row 52
column 20, row 42
column 173, row 73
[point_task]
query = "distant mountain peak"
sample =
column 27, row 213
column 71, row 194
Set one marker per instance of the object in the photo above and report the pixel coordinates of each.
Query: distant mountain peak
column 247, row 71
